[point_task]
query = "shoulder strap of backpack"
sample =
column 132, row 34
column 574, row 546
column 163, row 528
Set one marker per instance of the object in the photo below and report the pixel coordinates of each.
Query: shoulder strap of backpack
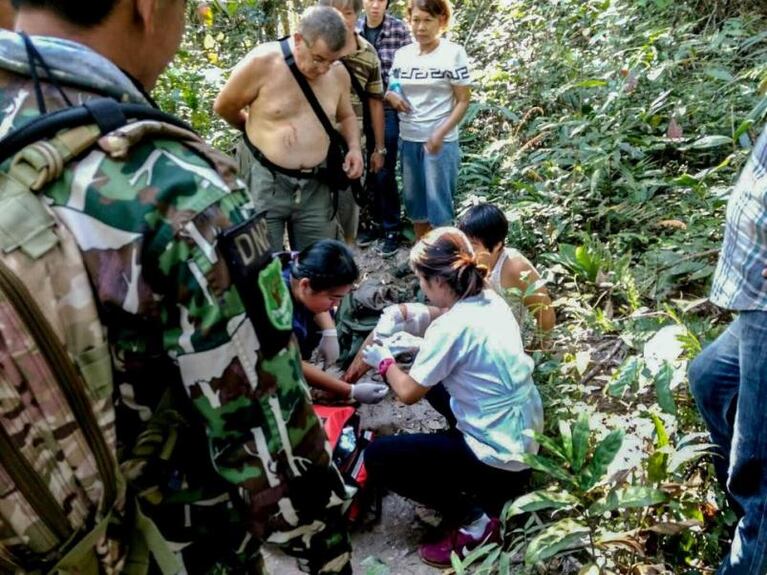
column 307, row 90
column 106, row 113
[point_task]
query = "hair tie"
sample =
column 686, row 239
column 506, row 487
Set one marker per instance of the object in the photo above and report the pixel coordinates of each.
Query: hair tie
column 293, row 262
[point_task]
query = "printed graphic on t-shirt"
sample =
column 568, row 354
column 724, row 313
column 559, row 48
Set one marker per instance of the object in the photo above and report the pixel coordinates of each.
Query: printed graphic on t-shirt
column 416, row 73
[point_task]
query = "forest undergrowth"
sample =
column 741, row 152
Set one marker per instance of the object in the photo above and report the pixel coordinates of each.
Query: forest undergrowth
column 611, row 133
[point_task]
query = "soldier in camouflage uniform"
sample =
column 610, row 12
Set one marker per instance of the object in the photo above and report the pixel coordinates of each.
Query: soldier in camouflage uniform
column 215, row 428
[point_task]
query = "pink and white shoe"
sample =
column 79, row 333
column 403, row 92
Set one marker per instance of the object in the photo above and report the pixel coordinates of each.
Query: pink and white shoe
column 438, row 554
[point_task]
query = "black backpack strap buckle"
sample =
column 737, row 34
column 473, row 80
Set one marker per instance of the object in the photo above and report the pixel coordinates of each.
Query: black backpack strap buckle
column 107, row 114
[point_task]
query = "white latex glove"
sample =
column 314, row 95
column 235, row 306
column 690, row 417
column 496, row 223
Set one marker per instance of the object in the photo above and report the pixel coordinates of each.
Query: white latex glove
column 374, row 354
column 328, row 348
column 369, row 392
column 403, row 342
column 390, row 322
column 415, row 320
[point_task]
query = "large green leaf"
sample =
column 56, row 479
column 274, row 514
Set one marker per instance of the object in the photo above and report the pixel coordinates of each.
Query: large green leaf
column 625, row 376
column 657, row 466
column 580, row 441
column 457, row 564
column 657, row 463
column 490, row 552
column 591, row 83
column 707, row 142
column 587, row 263
column 566, row 436
column 689, row 453
column 719, row 74
column 548, row 466
column 627, row 498
column 551, row 446
column 564, row 535
column 539, row 500
column 745, row 125
column 661, row 435
column 603, row 456
column 490, row 562
column 662, row 382
column 504, row 564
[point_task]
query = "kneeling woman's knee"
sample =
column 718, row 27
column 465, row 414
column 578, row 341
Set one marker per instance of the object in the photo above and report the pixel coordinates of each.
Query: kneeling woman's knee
column 376, row 454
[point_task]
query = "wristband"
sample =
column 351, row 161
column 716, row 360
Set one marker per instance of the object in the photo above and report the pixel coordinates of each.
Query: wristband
column 384, row 366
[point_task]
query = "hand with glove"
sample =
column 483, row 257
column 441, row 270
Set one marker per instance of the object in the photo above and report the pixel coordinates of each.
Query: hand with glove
column 378, row 357
column 413, row 318
column 369, row 392
column 402, row 343
column 404, row 387
column 328, row 348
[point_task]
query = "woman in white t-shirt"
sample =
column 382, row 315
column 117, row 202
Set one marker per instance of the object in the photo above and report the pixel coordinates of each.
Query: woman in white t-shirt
column 473, row 369
column 429, row 86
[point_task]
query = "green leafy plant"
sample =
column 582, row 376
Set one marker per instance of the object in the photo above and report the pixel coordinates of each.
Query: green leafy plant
column 578, row 463
column 588, row 261
column 577, row 513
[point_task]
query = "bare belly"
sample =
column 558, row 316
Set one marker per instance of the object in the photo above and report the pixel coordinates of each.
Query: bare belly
column 290, row 143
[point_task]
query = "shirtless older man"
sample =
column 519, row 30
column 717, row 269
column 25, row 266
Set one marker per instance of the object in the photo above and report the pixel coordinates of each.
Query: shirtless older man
column 284, row 143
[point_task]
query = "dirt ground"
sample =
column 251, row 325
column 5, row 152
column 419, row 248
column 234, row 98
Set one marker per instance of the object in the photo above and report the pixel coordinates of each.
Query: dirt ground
column 393, row 541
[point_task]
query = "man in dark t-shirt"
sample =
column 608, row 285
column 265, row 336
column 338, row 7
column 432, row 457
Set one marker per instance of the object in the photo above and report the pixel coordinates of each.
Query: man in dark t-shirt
column 387, row 34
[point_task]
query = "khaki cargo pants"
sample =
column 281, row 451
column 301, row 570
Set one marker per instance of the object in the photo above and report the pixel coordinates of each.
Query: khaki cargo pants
column 301, row 206
column 348, row 210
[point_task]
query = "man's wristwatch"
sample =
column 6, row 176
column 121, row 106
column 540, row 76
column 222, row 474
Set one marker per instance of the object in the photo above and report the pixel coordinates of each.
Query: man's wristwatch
column 380, row 151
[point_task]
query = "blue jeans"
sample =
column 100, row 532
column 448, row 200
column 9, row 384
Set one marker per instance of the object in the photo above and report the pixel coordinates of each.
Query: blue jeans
column 429, row 182
column 386, row 204
column 729, row 383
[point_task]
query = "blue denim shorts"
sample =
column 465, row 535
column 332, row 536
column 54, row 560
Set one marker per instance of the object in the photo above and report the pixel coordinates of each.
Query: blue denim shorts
column 429, row 181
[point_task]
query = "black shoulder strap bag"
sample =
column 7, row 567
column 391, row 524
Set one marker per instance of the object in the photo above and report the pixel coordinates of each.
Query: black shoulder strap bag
column 335, row 176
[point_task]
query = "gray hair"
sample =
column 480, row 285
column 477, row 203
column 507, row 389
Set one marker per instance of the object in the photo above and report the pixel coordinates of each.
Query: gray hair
column 326, row 23
column 355, row 5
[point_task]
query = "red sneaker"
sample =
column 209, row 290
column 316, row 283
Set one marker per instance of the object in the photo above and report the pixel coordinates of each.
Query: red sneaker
column 438, row 554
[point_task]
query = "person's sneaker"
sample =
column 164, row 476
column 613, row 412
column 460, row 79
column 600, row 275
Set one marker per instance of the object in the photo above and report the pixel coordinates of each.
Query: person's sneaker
column 390, row 244
column 367, row 237
column 438, row 554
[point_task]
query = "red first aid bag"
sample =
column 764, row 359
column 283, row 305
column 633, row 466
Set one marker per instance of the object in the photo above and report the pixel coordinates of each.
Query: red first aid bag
column 342, row 426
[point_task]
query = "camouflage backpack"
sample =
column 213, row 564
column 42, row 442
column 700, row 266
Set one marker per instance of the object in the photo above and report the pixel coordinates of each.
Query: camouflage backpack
column 60, row 486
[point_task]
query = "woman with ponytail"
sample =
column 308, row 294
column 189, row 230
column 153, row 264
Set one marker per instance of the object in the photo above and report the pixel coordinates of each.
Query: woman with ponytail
column 473, row 369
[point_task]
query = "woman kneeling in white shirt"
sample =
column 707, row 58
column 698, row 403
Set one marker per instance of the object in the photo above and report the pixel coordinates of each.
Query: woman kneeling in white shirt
column 473, row 369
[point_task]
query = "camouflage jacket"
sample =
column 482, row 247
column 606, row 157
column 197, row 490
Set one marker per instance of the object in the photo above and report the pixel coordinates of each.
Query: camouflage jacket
column 201, row 413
